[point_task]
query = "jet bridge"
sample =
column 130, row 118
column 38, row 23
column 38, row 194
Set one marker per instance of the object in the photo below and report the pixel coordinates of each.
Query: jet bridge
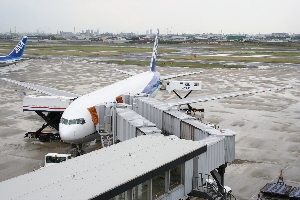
column 147, row 116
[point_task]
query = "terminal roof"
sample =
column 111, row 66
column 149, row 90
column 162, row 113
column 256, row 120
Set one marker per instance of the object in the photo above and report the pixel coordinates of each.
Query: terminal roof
column 106, row 172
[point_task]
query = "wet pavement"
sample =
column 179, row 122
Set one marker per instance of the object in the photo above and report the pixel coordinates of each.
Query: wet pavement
column 267, row 124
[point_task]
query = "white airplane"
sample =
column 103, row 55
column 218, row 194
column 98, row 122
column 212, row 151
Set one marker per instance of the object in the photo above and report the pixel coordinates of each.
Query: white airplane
column 76, row 125
column 15, row 55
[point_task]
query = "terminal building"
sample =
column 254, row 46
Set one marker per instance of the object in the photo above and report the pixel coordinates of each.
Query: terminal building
column 150, row 151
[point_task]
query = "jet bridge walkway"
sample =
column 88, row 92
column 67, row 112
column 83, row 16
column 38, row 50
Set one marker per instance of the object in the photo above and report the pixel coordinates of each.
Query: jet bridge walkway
column 142, row 115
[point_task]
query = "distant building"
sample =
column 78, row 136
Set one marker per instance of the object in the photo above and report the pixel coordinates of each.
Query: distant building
column 179, row 38
column 66, row 34
column 150, row 31
column 235, row 37
column 83, row 37
column 280, row 35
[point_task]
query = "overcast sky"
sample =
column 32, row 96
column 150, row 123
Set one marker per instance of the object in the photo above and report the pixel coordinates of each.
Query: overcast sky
column 176, row 16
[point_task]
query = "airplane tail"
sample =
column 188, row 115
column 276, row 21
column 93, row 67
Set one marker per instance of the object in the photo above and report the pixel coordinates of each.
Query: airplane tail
column 154, row 53
column 19, row 49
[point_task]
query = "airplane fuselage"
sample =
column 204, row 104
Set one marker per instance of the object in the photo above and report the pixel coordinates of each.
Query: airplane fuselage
column 73, row 132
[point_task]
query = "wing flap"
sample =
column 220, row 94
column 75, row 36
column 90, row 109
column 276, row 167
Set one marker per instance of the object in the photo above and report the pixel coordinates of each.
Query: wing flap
column 42, row 89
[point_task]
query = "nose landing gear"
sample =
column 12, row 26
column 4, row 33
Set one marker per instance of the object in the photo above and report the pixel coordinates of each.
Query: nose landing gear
column 76, row 150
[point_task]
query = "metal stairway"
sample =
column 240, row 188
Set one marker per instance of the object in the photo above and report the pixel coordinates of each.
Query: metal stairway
column 210, row 192
column 106, row 139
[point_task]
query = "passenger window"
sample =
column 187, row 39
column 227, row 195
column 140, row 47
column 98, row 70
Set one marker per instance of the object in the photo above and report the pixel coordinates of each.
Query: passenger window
column 187, row 84
column 181, row 82
column 196, row 84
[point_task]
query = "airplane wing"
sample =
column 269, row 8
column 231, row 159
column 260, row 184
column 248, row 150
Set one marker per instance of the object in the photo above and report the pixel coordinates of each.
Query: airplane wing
column 184, row 101
column 178, row 75
column 42, row 89
column 126, row 72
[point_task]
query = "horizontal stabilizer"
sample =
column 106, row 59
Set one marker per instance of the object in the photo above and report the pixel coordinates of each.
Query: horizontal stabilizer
column 41, row 89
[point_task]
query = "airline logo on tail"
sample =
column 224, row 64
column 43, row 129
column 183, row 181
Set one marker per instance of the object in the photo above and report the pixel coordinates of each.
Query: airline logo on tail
column 154, row 53
column 19, row 49
column 19, row 46
column 15, row 55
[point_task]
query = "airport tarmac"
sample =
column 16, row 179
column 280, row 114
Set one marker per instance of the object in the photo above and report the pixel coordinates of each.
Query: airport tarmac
column 267, row 124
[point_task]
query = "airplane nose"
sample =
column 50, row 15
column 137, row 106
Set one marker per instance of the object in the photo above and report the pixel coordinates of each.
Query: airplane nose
column 67, row 132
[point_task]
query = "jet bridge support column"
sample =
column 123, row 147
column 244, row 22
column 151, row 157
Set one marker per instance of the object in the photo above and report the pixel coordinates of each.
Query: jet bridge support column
column 219, row 177
column 107, row 122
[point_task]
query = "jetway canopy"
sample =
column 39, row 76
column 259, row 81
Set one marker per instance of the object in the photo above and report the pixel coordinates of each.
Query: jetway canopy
column 105, row 173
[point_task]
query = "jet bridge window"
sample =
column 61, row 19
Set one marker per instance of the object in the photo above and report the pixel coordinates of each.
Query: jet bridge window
column 72, row 121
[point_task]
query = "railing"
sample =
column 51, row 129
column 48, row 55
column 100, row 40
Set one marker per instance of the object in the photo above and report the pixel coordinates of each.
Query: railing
column 213, row 191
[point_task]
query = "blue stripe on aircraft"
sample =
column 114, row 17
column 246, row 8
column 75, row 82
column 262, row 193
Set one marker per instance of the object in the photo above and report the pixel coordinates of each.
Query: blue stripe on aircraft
column 153, row 84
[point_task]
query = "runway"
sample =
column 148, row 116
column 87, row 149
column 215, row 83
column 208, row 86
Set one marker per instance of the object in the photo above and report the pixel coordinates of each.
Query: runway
column 267, row 124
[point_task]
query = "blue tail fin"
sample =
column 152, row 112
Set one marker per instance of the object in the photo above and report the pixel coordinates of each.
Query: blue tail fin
column 19, row 49
column 154, row 53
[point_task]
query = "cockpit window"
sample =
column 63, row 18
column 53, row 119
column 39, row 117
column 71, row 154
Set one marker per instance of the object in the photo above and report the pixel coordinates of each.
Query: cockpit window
column 80, row 121
column 72, row 121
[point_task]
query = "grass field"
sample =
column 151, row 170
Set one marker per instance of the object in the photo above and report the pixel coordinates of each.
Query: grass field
column 239, row 52
column 174, row 64
column 238, row 59
column 81, row 50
